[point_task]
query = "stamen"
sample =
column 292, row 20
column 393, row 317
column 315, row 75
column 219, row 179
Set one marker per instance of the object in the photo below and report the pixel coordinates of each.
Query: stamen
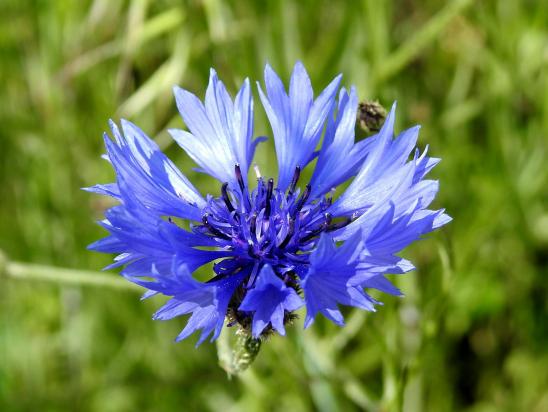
column 239, row 177
column 226, row 198
column 266, row 245
column 258, row 212
column 212, row 229
column 251, row 249
column 289, row 235
column 323, row 227
column 303, row 198
column 338, row 225
column 253, row 224
column 294, row 181
column 268, row 206
column 330, row 196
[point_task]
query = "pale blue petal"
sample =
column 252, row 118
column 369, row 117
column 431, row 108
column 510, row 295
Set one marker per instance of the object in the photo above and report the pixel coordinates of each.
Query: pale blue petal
column 221, row 131
column 296, row 119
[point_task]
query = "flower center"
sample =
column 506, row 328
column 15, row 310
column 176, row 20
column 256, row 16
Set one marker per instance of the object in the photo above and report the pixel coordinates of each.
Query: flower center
column 265, row 226
column 268, row 224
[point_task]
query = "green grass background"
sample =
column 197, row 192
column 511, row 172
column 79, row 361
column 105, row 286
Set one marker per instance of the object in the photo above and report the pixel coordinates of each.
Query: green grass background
column 472, row 331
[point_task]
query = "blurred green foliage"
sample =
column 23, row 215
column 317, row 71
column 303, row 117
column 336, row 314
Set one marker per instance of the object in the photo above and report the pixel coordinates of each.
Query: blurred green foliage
column 472, row 332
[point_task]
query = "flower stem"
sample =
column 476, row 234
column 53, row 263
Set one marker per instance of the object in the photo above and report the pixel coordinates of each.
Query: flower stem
column 65, row 276
column 236, row 353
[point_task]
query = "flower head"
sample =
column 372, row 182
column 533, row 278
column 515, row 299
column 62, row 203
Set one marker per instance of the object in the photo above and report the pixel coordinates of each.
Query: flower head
column 277, row 244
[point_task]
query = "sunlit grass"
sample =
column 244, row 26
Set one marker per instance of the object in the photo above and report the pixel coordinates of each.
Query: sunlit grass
column 471, row 332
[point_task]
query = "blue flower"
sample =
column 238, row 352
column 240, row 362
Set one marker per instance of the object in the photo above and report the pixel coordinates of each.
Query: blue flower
column 275, row 245
column 269, row 301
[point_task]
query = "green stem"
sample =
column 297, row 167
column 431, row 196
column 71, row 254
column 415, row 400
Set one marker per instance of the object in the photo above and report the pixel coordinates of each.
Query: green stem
column 65, row 276
column 236, row 352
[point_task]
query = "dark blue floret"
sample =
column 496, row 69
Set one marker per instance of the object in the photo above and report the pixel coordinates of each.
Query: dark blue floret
column 275, row 244
column 267, row 225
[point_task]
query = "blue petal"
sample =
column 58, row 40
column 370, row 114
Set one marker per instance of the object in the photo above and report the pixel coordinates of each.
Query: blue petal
column 269, row 300
column 207, row 302
column 372, row 179
column 389, row 184
column 328, row 282
column 220, row 131
column 424, row 165
column 108, row 244
column 296, row 120
column 144, row 237
column 381, row 283
column 108, row 189
column 339, row 158
column 372, row 264
column 150, row 175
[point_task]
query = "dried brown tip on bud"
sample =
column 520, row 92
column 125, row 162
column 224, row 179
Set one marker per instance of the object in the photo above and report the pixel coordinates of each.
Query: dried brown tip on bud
column 371, row 116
